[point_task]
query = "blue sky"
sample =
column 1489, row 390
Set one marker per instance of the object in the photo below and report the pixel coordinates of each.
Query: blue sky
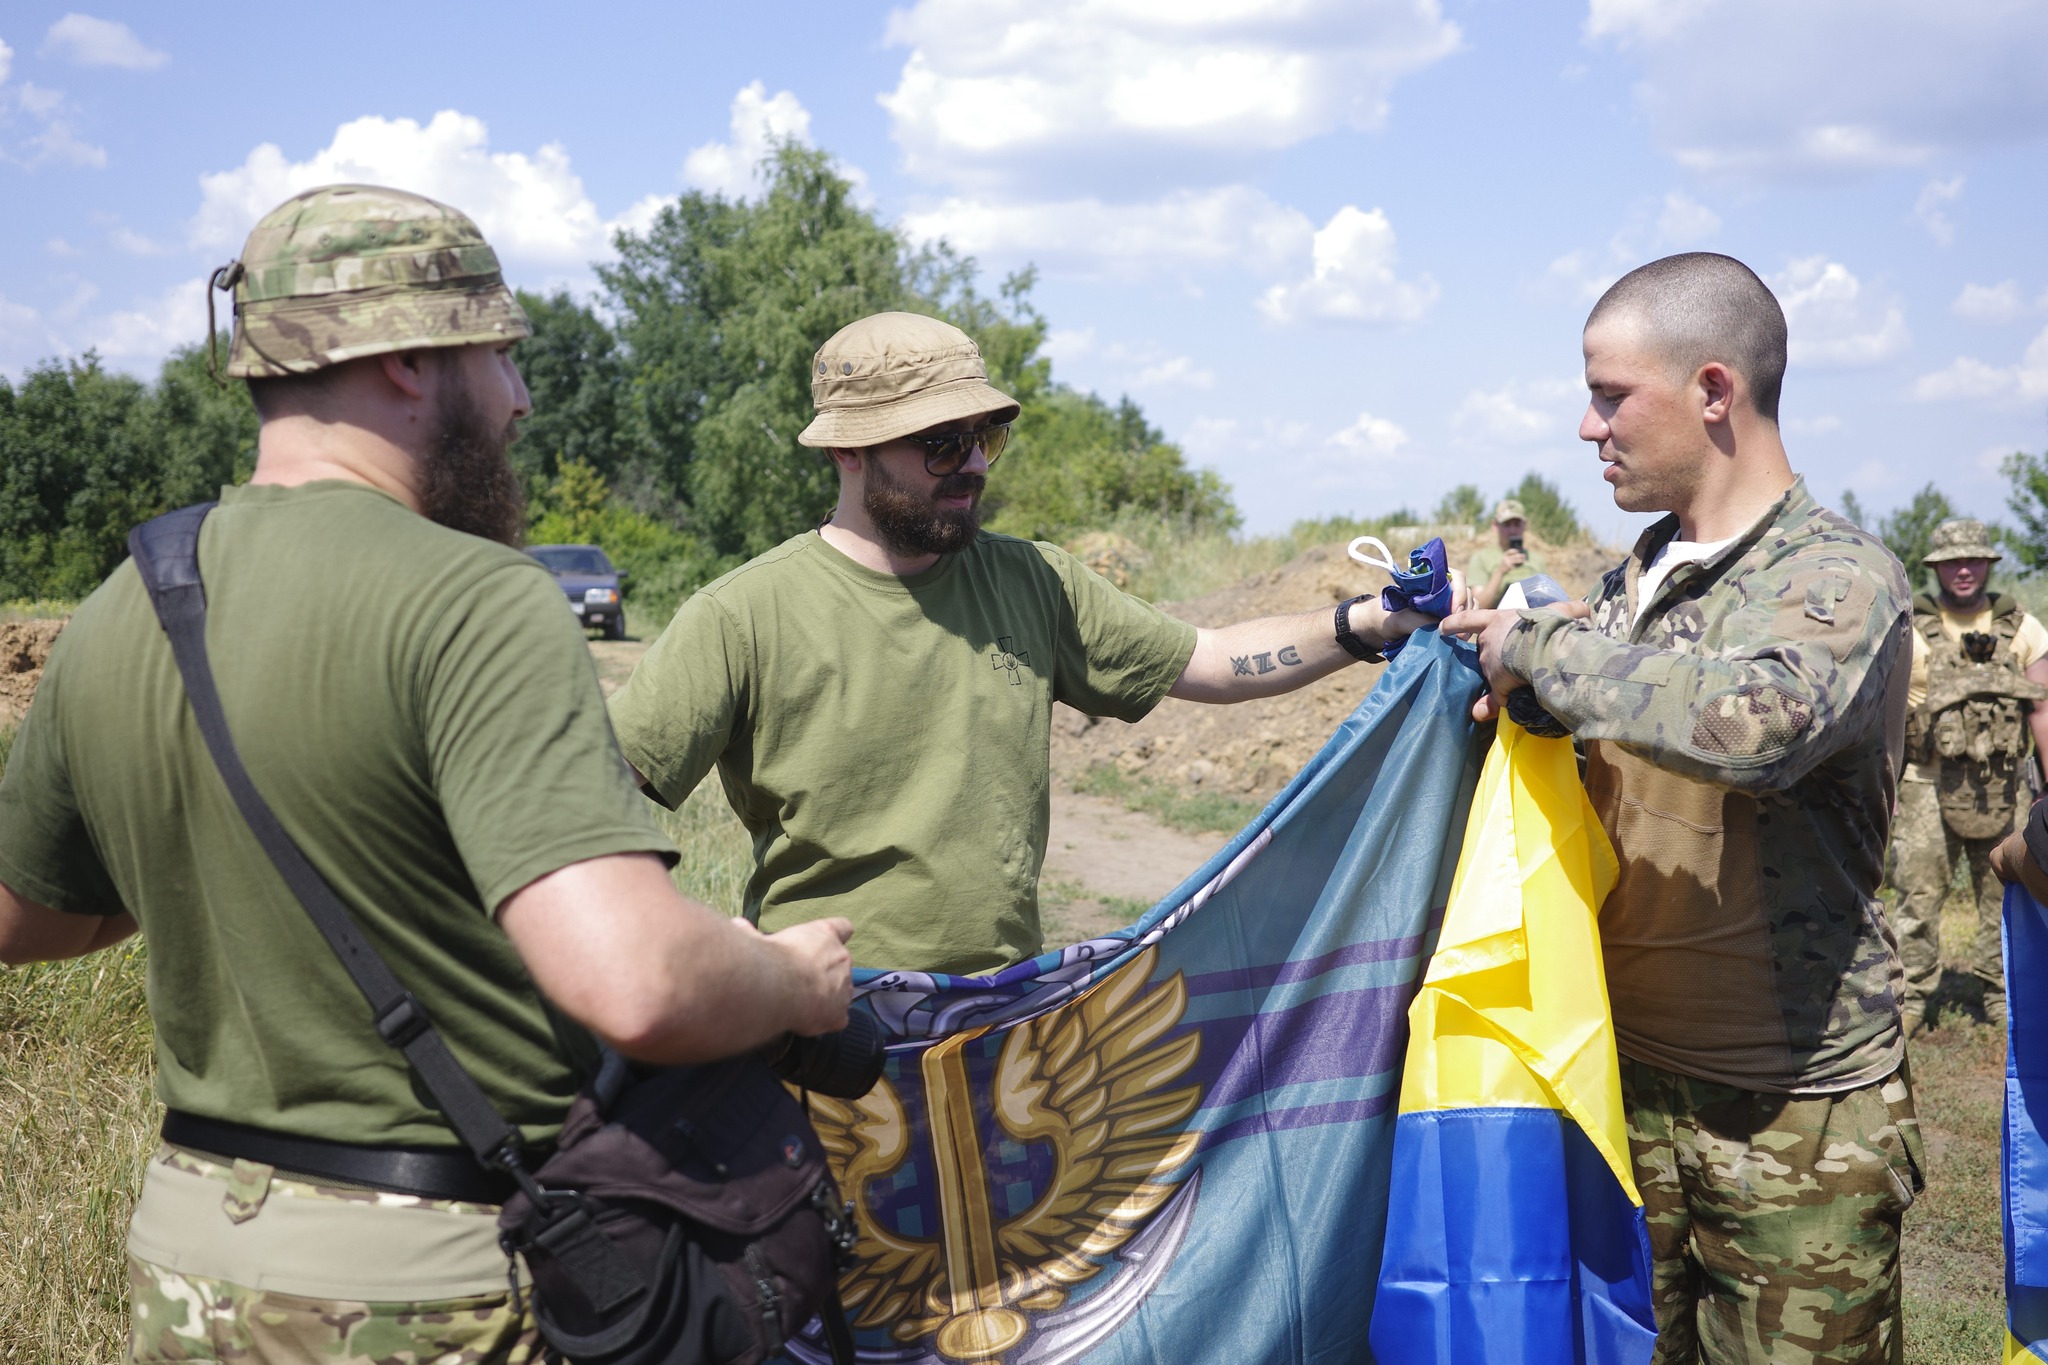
column 1340, row 249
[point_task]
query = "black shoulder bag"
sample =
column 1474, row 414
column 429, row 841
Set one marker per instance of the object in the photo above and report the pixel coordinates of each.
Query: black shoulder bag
column 687, row 1214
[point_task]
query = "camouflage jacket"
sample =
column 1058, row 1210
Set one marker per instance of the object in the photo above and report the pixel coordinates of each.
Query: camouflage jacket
column 1743, row 735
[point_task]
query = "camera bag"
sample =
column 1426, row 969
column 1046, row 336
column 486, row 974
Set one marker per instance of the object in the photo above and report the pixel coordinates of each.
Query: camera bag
column 686, row 1215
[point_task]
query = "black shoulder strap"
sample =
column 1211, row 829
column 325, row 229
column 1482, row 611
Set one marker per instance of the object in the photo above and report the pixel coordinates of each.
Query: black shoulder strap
column 166, row 553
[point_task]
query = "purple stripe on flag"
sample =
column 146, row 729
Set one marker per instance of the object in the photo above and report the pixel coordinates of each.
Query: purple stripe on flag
column 1306, row 969
column 1308, row 1116
column 1345, row 1035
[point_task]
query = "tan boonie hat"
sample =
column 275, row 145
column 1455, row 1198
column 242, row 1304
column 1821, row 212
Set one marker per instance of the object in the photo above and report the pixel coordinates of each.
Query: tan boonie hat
column 894, row 374
column 1960, row 538
column 1508, row 509
column 354, row 270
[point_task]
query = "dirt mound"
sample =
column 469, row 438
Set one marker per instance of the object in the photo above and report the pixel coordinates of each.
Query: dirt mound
column 24, row 645
column 1250, row 750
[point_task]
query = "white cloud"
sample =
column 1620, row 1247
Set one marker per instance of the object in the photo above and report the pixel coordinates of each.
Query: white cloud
column 1070, row 89
column 1370, row 436
column 6, row 61
column 100, row 42
column 155, row 325
column 1967, row 378
column 1174, row 372
column 760, row 123
column 132, row 243
column 57, row 246
column 1928, row 211
column 532, row 208
column 55, row 139
column 1834, row 319
column 1520, row 414
column 1653, row 228
column 1684, row 222
column 1352, row 278
column 1813, row 426
column 1760, row 89
column 1233, row 225
column 1991, row 303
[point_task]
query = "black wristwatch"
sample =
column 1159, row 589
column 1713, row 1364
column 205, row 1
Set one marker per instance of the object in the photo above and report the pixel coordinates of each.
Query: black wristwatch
column 1348, row 640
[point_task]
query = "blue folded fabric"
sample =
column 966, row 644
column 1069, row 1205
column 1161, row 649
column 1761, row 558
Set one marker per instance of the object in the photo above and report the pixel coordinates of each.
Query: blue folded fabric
column 1425, row 586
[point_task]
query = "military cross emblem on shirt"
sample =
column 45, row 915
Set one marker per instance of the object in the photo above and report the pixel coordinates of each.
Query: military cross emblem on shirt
column 1007, row 656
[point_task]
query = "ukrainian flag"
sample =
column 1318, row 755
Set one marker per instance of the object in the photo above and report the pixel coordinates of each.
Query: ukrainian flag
column 1515, row 1232
column 2026, row 1115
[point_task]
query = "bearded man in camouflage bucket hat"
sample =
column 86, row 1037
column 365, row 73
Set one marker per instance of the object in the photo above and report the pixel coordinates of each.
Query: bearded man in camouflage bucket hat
column 419, row 710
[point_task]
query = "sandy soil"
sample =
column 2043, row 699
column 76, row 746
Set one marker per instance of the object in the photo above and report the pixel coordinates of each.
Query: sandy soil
column 1251, row 749
column 24, row 645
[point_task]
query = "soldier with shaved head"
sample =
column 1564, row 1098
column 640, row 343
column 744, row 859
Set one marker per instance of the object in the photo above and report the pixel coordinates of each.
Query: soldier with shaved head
column 410, row 698
column 1739, row 689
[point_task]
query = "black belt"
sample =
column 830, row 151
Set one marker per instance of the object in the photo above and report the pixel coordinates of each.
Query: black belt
column 427, row 1172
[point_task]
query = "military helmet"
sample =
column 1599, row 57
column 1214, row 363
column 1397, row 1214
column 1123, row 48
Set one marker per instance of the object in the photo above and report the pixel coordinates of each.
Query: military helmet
column 352, row 270
column 1960, row 538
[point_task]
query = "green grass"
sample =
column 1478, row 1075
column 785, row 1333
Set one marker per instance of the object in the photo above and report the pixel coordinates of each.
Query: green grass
column 78, row 1107
column 1200, row 813
column 1178, row 564
column 42, row 609
column 716, row 852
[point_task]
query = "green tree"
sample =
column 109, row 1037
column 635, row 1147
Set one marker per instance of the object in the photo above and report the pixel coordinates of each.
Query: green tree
column 1909, row 530
column 1852, row 508
column 577, row 375
column 1077, row 462
column 1463, row 504
column 77, row 470
column 2028, row 499
column 722, row 305
column 85, row 455
column 1550, row 516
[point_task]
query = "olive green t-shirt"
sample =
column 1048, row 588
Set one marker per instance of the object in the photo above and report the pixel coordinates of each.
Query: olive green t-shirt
column 886, row 739
column 1488, row 557
column 424, row 718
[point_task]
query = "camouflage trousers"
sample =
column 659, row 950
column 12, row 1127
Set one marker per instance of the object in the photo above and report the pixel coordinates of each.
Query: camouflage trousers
column 1925, row 851
column 241, row 1263
column 1774, row 1219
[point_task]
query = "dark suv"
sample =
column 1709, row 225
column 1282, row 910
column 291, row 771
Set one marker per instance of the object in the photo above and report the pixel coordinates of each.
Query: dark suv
column 592, row 584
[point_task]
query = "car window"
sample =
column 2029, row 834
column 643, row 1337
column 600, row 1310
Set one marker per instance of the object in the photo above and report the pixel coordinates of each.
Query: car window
column 573, row 559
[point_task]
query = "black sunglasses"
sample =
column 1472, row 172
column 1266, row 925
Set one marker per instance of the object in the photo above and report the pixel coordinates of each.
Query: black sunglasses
column 947, row 453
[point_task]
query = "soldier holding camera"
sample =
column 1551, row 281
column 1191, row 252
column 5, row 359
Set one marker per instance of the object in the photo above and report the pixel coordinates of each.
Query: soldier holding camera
column 1493, row 569
column 1980, row 666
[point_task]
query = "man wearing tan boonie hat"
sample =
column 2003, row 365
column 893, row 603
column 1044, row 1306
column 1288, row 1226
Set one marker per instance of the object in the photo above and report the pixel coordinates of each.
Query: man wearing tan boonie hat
column 877, row 694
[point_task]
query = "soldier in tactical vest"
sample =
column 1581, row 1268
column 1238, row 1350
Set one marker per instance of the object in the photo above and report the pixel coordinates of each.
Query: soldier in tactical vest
column 1980, row 662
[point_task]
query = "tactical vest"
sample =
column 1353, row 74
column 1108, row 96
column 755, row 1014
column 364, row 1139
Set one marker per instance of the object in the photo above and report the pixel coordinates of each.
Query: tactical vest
column 1973, row 726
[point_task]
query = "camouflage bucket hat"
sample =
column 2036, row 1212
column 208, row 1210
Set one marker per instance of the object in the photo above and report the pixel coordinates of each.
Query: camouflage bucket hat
column 896, row 373
column 1508, row 509
column 354, row 270
column 1960, row 538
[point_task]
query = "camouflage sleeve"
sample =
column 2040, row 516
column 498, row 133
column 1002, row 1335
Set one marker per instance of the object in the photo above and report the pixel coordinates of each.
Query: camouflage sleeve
column 1807, row 652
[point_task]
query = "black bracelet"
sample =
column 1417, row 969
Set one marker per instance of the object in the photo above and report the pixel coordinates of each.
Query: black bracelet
column 1347, row 640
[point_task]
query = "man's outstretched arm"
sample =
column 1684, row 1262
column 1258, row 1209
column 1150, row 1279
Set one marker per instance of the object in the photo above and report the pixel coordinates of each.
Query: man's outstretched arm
column 1276, row 654
column 664, row 978
column 35, row 933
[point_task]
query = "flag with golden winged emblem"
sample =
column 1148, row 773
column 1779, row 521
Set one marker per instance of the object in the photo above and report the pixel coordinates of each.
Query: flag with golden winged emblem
column 1171, row 1143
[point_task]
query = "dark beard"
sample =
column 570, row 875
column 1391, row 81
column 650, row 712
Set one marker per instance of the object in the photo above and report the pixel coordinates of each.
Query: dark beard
column 912, row 524
column 470, row 485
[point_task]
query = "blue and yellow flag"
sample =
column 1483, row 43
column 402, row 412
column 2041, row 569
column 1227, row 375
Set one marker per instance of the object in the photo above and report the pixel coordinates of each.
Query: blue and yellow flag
column 2026, row 1129
column 1516, row 1232
column 1172, row 1143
